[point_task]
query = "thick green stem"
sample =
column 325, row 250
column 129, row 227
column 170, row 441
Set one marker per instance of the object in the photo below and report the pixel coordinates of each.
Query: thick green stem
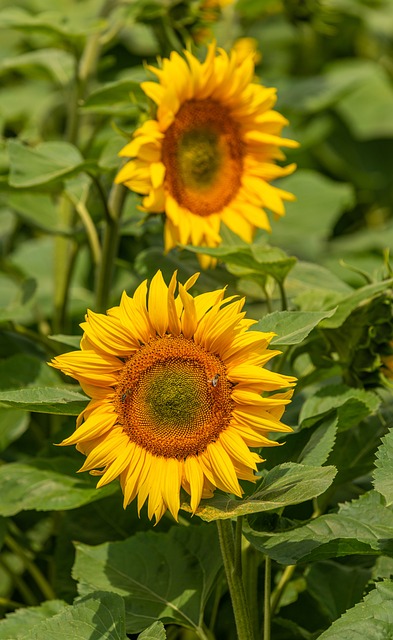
column 266, row 603
column 284, row 301
column 110, row 246
column 65, row 254
column 235, row 583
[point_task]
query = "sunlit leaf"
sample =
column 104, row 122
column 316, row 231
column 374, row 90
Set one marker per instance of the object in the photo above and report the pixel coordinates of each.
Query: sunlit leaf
column 285, row 484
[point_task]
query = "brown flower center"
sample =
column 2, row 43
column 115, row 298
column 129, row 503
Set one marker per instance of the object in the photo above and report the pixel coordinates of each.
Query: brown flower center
column 203, row 155
column 173, row 397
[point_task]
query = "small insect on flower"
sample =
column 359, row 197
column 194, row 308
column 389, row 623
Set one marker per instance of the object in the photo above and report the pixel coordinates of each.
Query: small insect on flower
column 215, row 379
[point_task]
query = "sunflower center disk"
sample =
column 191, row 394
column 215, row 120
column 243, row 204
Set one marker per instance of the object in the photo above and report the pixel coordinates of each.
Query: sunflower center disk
column 173, row 398
column 203, row 155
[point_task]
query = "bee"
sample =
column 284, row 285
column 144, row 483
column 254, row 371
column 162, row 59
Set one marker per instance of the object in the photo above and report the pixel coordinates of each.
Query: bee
column 124, row 396
column 214, row 380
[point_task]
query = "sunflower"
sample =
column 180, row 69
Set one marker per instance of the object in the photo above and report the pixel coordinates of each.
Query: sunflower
column 210, row 154
column 178, row 392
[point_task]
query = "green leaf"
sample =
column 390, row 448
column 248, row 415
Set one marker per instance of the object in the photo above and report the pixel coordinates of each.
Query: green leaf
column 44, row 164
column 319, row 446
column 165, row 577
column 349, row 303
column 69, row 341
column 114, row 98
column 155, row 632
column 367, row 108
column 12, row 425
column 37, row 209
column 45, row 485
column 258, row 259
column 352, row 405
column 61, row 400
column 308, row 222
column 364, row 526
column 71, row 26
column 59, row 63
column 285, row 484
column 383, row 476
column 371, row 618
column 98, row 616
column 291, row 326
column 336, row 587
column 21, row 622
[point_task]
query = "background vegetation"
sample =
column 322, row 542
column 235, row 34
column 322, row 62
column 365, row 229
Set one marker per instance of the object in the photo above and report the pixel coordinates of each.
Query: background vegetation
column 73, row 564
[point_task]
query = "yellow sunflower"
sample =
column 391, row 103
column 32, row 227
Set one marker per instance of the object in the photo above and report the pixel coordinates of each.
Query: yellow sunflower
column 178, row 392
column 210, row 154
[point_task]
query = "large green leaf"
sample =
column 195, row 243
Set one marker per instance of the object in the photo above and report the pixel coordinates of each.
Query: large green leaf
column 371, row 619
column 383, row 476
column 44, row 164
column 165, row 577
column 114, row 98
column 352, row 405
column 291, row 327
column 285, row 484
column 45, row 485
column 98, row 616
column 59, row 63
column 364, row 526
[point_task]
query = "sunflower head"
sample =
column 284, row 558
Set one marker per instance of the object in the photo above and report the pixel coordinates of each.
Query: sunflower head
column 210, row 154
column 179, row 393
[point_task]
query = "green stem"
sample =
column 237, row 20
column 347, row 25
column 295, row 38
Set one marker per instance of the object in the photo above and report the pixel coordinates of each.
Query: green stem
column 235, row 583
column 65, row 253
column 90, row 228
column 24, row 590
column 251, row 563
column 110, row 246
column 284, row 301
column 280, row 588
column 32, row 568
column 238, row 546
column 266, row 603
column 10, row 604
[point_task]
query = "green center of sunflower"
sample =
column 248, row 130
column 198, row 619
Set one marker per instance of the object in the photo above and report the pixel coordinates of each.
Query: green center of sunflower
column 173, row 397
column 199, row 157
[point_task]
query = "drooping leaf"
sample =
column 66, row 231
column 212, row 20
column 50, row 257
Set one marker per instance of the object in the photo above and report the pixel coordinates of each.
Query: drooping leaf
column 383, row 476
column 47, row 484
column 291, row 326
column 363, row 526
column 165, row 577
column 371, row 618
column 285, row 484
